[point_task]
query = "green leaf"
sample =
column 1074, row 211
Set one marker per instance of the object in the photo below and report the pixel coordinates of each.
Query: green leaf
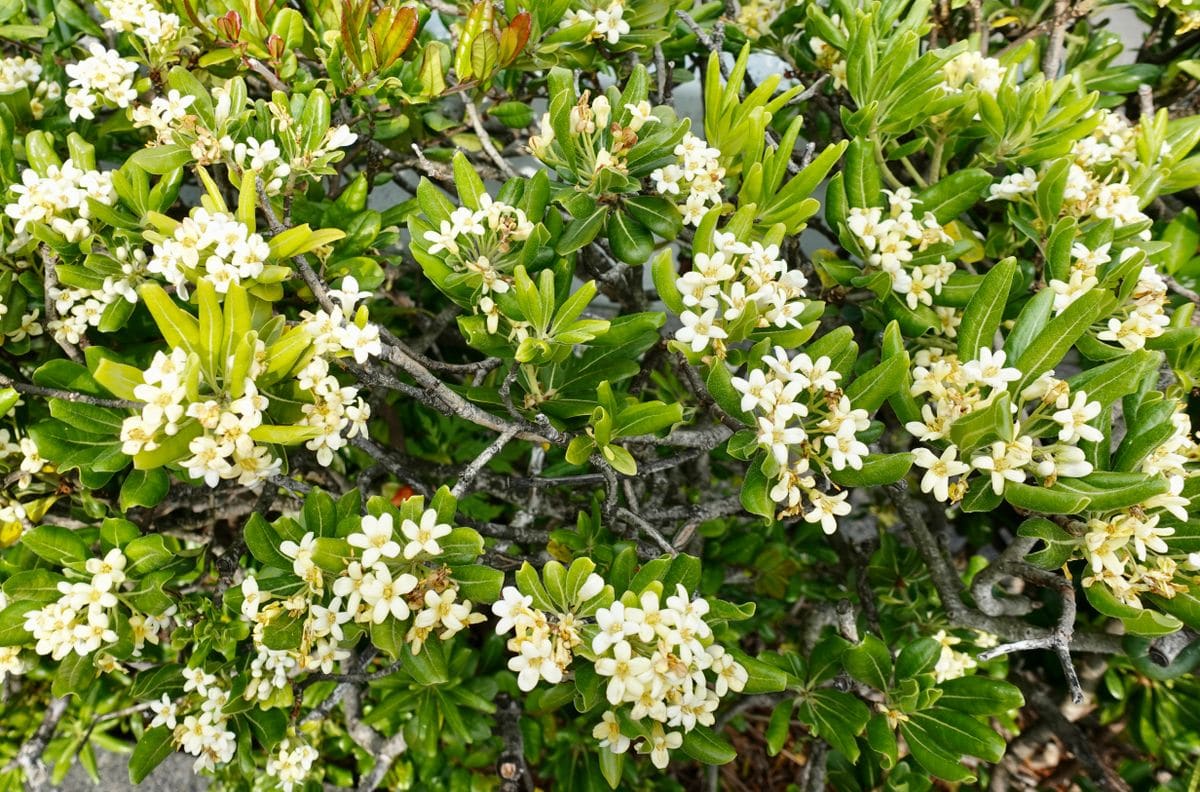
column 74, row 675
column 1046, row 500
column 981, row 318
column 861, row 174
column 836, row 717
column 756, row 497
column 926, row 748
column 655, row 213
column 983, row 425
column 954, row 194
column 872, row 388
column 1059, row 545
column 1061, row 332
column 12, row 623
column 779, row 728
column 611, row 766
column 882, row 740
column 144, row 488
column 263, row 543
column 705, row 745
column 877, row 470
column 1116, row 379
column 870, row 662
column 960, row 733
column 60, row 546
column 918, row 657
column 515, row 115
column 150, row 684
column 581, row 231
column 631, row 241
column 34, row 586
column 979, row 695
column 149, row 752
column 478, row 583
column 470, row 186
column 178, row 327
column 161, row 160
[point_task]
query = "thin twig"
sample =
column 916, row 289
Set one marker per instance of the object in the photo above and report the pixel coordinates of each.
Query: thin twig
column 65, row 395
column 29, row 757
column 485, row 139
column 472, row 470
column 272, row 79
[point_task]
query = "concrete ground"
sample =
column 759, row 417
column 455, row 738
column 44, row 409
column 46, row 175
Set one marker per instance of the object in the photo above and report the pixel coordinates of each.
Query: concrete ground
column 173, row 775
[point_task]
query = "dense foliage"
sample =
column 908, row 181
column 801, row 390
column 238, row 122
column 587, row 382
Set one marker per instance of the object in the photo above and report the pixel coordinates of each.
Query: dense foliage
column 589, row 393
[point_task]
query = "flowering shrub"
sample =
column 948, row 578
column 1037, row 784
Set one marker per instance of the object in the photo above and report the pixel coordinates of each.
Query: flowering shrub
column 600, row 394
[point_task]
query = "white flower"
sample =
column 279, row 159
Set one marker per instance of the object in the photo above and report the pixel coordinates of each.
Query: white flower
column 164, row 712
column 608, row 732
column 1002, row 465
column 535, row 662
column 423, row 538
column 511, row 607
column 988, row 369
column 1075, row 418
column 698, row 329
column 659, row 746
column 613, row 627
column 826, row 509
column 939, row 470
column 301, row 554
column 628, row 674
column 107, row 572
column 375, row 539
column 384, row 596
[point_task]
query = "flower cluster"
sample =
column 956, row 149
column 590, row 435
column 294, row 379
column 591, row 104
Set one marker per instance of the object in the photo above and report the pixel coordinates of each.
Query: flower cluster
column 387, row 580
column 144, row 20
column 29, row 461
column 79, row 308
column 163, row 113
column 1113, row 140
column 970, row 67
column 953, row 663
column 265, row 159
column 278, row 158
column 803, row 420
column 1126, row 549
column 59, row 199
column 197, row 720
column 102, row 81
column 602, row 143
column 172, row 124
column 696, row 178
column 737, row 284
column 755, row 17
column 1085, row 195
column 212, row 245
column 481, row 246
column 543, row 644
column 954, row 389
column 83, row 619
column 606, row 16
column 652, row 657
column 890, row 243
column 29, row 327
column 292, row 763
column 18, row 73
column 223, row 448
column 1145, row 317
